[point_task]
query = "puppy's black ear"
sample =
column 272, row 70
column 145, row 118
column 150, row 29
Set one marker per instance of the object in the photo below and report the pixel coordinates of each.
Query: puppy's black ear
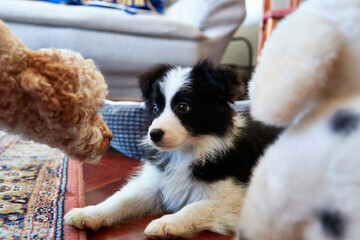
column 221, row 80
column 148, row 79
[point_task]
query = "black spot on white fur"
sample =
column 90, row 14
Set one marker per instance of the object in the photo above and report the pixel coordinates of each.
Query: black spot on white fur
column 332, row 223
column 345, row 122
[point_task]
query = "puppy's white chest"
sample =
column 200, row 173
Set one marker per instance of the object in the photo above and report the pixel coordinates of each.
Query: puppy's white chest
column 177, row 185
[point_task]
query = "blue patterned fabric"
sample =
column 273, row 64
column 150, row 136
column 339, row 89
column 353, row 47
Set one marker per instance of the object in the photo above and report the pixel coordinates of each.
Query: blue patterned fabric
column 33, row 188
column 127, row 121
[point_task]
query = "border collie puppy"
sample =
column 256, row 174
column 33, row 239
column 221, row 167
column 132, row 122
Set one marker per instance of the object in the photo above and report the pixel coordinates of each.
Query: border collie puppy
column 201, row 156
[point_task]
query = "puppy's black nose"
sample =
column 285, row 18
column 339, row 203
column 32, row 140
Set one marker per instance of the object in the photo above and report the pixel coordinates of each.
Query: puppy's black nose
column 156, row 135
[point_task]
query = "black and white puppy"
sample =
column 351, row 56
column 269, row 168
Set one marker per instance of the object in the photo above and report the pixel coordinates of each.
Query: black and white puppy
column 201, row 156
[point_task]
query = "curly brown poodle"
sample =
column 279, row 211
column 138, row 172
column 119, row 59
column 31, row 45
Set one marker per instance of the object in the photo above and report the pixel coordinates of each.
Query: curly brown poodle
column 52, row 96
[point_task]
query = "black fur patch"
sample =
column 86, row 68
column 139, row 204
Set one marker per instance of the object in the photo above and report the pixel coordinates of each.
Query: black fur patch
column 217, row 81
column 345, row 122
column 332, row 223
column 239, row 161
column 209, row 92
column 206, row 116
column 151, row 93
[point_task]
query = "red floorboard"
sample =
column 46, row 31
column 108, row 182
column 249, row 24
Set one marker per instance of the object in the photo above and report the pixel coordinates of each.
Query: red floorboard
column 105, row 178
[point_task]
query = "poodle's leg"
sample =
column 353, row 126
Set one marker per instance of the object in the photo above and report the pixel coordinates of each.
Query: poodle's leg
column 138, row 197
column 219, row 215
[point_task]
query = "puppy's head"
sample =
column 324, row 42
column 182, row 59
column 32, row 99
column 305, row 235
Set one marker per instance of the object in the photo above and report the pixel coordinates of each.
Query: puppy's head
column 187, row 103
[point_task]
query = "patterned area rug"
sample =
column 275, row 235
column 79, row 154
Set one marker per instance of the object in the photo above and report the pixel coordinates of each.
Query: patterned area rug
column 33, row 188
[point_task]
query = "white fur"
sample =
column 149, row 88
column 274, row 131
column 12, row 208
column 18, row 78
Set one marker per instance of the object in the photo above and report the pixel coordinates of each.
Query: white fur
column 179, row 174
column 309, row 169
column 174, row 133
column 307, row 73
column 174, row 80
column 319, row 49
column 211, row 146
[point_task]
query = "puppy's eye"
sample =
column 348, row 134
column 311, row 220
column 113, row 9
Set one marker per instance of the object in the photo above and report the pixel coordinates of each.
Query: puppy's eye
column 155, row 108
column 183, row 107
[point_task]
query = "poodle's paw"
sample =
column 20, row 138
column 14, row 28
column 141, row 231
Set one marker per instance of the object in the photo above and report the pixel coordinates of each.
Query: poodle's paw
column 169, row 226
column 85, row 218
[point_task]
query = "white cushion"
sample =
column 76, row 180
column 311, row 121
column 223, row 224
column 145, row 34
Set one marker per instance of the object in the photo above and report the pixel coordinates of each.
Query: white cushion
column 215, row 18
column 95, row 18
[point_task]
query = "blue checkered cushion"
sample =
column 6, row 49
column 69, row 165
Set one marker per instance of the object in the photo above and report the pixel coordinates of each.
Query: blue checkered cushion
column 127, row 122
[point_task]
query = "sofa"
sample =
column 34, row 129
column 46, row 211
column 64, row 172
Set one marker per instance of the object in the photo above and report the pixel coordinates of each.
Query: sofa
column 124, row 45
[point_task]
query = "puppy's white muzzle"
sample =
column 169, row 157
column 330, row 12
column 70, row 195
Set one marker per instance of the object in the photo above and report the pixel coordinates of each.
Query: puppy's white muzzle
column 166, row 132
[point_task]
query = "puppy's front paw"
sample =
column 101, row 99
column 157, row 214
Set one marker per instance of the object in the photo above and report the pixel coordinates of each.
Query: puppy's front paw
column 85, row 218
column 169, row 226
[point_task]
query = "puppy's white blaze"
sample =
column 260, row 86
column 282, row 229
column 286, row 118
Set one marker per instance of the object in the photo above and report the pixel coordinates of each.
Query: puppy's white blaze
column 174, row 133
column 174, row 80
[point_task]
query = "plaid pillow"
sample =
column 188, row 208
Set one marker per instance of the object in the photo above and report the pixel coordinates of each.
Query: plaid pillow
column 127, row 122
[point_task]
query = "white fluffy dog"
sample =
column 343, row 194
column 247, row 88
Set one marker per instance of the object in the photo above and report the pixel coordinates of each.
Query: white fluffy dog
column 307, row 184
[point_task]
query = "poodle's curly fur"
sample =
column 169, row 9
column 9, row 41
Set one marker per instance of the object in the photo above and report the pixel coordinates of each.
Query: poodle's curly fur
column 52, row 96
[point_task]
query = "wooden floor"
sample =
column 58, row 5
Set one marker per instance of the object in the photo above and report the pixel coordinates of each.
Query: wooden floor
column 105, row 178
